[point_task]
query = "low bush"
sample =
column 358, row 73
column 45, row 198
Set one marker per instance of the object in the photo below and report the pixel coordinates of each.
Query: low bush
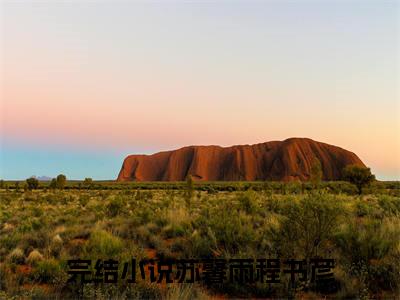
column 34, row 258
column 103, row 244
column 17, row 256
column 48, row 271
column 115, row 207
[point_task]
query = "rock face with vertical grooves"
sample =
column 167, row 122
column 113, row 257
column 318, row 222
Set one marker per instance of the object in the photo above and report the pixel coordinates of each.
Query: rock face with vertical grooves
column 286, row 160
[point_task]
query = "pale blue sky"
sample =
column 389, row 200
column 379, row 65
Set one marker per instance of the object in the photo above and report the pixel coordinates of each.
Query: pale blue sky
column 88, row 82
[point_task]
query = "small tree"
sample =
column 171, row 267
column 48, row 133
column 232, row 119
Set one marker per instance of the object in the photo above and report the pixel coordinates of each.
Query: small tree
column 309, row 225
column 61, row 181
column 32, row 183
column 359, row 176
column 53, row 184
column 88, row 182
column 316, row 172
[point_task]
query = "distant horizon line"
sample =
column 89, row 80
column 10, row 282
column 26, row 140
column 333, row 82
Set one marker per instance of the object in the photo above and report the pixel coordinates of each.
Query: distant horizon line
column 158, row 181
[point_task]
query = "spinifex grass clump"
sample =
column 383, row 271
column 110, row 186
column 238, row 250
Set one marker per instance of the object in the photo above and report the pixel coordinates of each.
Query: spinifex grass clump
column 16, row 256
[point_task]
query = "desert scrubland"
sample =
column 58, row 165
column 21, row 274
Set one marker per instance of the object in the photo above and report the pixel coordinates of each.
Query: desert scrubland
column 41, row 229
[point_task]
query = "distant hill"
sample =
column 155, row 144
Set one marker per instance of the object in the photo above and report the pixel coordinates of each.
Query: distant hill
column 42, row 178
column 286, row 160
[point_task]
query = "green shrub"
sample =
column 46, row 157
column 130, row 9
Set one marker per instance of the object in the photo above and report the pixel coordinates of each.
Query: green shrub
column 247, row 201
column 173, row 230
column 35, row 239
column 47, row 271
column 391, row 205
column 88, row 182
column 84, row 200
column 202, row 244
column 359, row 176
column 365, row 252
column 115, row 207
column 308, row 225
column 363, row 209
column 104, row 244
column 61, row 181
column 231, row 230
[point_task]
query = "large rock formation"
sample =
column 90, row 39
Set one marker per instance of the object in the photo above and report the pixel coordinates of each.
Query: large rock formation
column 278, row 160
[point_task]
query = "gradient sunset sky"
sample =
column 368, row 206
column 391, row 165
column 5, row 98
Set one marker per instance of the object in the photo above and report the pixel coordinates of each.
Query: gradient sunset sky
column 85, row 83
